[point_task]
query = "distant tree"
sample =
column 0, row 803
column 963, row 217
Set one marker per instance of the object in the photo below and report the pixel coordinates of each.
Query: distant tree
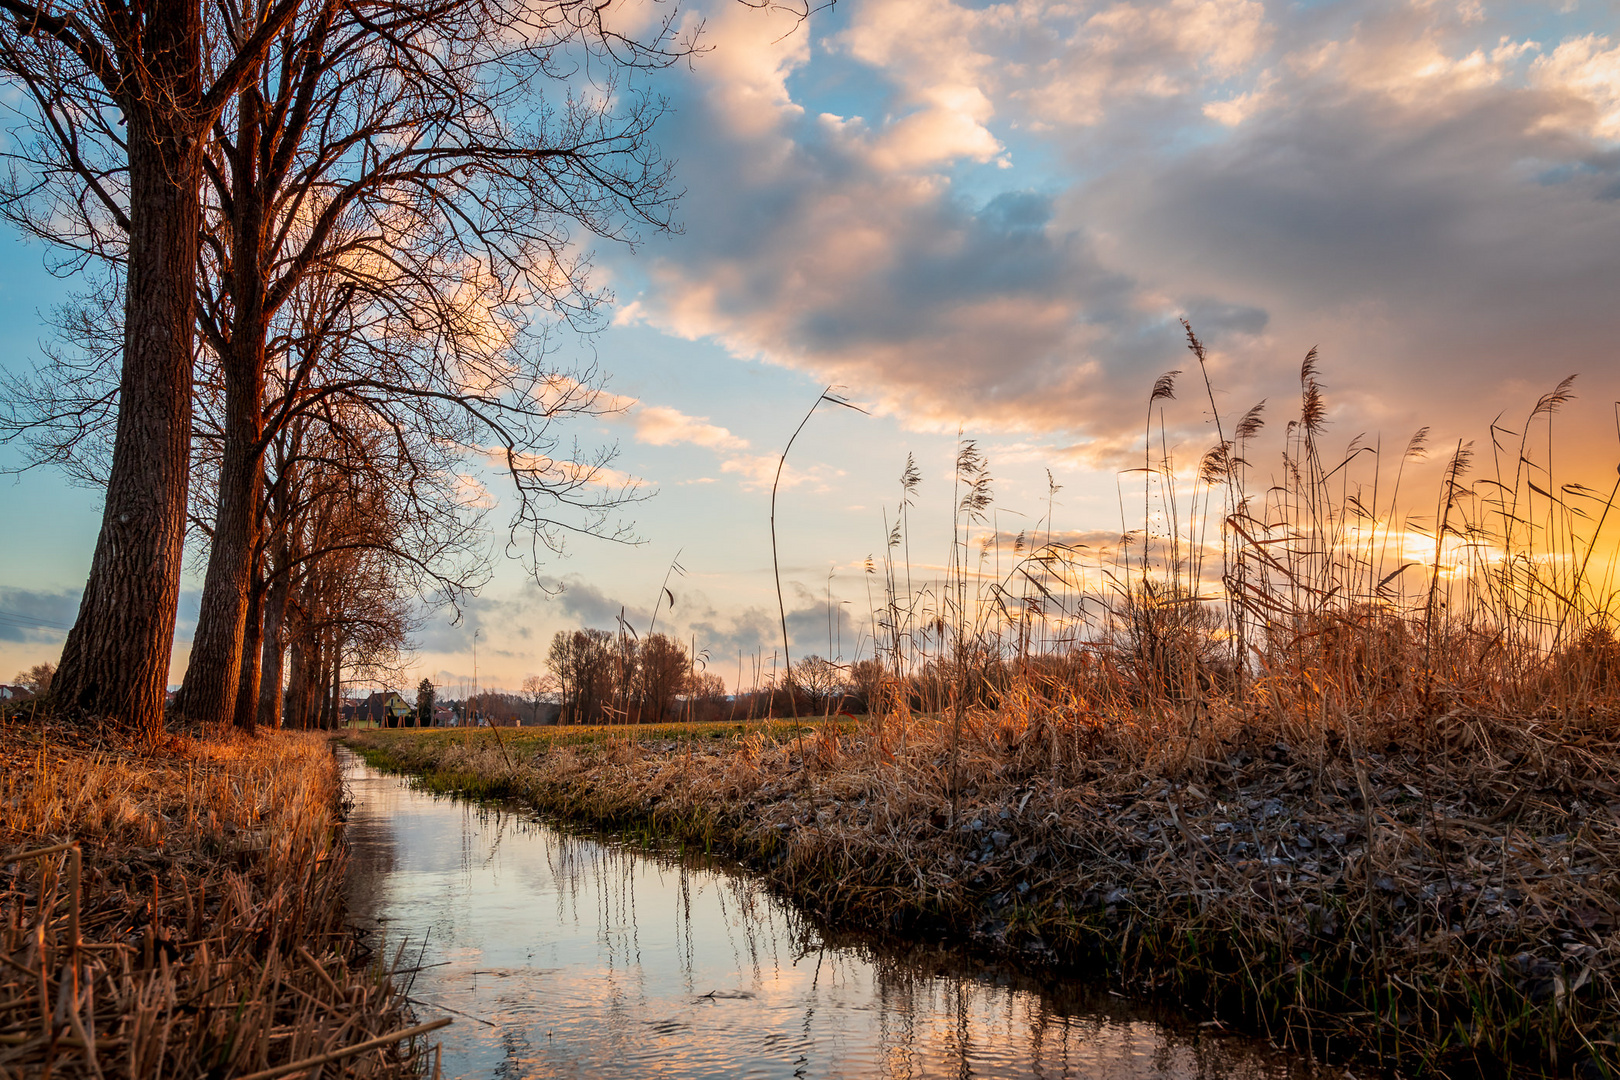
column 37, row 679
column 535, row 689
column 424, row 703
column 866, row 683
column 584, row 663
column 818, row 678
column 708, row 694
column 662, row 671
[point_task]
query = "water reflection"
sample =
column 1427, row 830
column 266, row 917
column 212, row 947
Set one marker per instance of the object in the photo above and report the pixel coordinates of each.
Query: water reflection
column 563, row 957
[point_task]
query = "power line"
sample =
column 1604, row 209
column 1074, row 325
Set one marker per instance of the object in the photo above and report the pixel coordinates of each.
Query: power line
column 20, row 617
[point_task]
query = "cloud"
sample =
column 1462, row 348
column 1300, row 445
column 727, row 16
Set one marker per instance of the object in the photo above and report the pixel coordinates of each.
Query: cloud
column 593, row 608
column 660, row 425
column 1585, row 74
column 1049, row 65
column 1429, row 192
column 758, row 472
column 751, row 638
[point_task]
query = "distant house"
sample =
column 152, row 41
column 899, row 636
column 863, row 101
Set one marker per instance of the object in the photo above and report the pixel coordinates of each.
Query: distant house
column 12, row 693
column 384, row 709
column 444, row 716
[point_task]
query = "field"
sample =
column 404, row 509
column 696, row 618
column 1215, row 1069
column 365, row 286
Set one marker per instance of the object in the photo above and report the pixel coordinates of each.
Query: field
column 176, row 910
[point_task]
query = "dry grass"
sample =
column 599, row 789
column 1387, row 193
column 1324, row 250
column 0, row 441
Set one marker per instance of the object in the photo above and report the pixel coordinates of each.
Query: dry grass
column 1450, row 910
column 1337, row 750
column 189, row 921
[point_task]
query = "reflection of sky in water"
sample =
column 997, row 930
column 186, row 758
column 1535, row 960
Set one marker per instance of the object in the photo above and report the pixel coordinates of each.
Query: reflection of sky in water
column 580, row 959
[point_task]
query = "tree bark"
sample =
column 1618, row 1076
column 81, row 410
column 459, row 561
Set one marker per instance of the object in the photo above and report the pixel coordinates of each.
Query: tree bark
column 116, row 660
column 214, row 674
column 247, row 692
column 329, row 685
column 270, row 666
column 298, row 677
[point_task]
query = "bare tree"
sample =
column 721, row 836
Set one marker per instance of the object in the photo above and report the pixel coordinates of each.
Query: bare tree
column 37, row 679
column 422, row 173
column 583, row 662
column 536, row 688
column 662, row 672
column 366, row 521
column 426, row 165
column 118, row 100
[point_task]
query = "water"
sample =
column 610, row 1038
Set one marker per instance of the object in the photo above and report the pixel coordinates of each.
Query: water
column 562, row 956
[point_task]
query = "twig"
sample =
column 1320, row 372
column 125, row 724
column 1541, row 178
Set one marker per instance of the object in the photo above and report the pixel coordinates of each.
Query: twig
column 347, row 1051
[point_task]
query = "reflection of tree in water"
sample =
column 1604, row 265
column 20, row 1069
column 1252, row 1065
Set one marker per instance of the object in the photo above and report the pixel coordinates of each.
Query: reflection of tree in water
column 369, row 834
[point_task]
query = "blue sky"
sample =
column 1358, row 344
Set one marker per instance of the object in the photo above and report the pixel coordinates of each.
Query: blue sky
column 989, row 217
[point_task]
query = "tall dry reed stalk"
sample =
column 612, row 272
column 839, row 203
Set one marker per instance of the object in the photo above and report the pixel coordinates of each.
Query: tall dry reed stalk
column 1328, row 594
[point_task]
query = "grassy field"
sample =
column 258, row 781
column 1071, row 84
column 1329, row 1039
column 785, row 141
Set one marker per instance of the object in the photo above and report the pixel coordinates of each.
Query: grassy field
column 1445, row 908
column 433, row 752
column 176, row 910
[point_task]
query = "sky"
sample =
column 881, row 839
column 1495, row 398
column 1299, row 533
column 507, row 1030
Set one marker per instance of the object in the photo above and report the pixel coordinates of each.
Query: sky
column 985, row 220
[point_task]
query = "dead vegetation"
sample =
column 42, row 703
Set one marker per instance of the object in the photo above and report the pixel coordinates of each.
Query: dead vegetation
column 1343, row 762
column 1448, row 912
column 176, row 911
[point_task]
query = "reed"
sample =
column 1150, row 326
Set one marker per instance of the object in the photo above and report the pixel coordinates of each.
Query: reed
column 177, row 911
column 1335, row 752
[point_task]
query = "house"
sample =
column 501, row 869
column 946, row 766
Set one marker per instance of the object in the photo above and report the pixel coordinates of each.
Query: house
column 384, row 709
column 13, row 693
column 444, row 716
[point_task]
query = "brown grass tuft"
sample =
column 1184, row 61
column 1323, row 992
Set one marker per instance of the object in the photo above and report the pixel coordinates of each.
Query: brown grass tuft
column 187, row 920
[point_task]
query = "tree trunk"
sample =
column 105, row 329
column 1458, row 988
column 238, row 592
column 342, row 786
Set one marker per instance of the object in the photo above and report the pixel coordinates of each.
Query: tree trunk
column 116, row 660
column 246, row 716
column 297, row 683
column 213, row 676
column 270, row 668
column 332, row 682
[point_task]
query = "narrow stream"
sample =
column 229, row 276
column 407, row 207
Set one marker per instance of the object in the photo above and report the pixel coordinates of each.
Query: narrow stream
column 560, row 956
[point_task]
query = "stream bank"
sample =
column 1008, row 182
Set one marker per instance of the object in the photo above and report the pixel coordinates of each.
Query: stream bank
column 569, row 953
column 1427, row 920
column 173, row 907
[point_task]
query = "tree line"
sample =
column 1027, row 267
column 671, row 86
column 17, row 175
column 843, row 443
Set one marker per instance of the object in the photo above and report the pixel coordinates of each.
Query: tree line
column 324, row 250
column 601, row 677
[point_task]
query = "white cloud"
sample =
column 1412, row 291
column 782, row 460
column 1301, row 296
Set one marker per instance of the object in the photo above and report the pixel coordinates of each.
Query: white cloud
column 1585, row 74
column 660, row 425
column 757, row 472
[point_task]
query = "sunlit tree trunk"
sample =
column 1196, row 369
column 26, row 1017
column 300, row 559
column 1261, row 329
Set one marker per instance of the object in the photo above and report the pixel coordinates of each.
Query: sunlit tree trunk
column 116, row 660
column 213, row 676
column 247, row 691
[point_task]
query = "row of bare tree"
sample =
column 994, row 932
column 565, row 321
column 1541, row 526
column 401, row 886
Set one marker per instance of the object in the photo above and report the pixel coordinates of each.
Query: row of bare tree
column 602, row 677
column 323, row 246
